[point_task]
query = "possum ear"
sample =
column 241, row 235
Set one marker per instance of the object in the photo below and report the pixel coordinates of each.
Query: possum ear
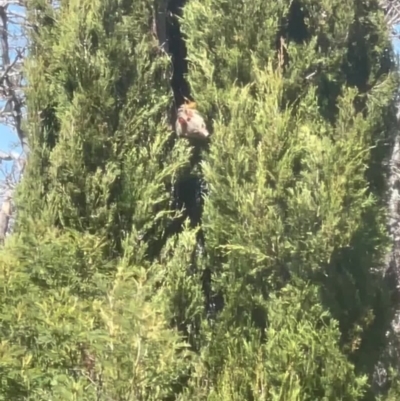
column 191, row 105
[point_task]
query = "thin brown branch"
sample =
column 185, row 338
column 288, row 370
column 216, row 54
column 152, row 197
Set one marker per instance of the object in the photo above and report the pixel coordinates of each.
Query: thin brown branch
column 11, row 93
column 5, row 215
column 392, row 11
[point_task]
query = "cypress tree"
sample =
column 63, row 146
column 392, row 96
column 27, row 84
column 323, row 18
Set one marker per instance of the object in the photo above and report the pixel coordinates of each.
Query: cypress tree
column 301, row 95
column 120, row 284
column 83, row 315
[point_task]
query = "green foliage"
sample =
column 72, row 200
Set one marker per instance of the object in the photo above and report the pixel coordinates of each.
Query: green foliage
column 80, row 276
column 107, row 295
column 300, row 359
column 56, row 317
column 302, row 115
column 101, row 151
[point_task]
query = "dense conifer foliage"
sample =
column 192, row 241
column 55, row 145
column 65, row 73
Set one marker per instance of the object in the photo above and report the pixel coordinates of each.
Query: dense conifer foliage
column 250, row 267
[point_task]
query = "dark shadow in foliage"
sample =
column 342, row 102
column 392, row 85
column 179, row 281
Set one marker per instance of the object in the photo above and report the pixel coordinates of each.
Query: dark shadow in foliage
column 187, row 190
column 50, row 126
column 177, row 50
column 293, row 29
column 43, row 16
column 352, row 287
column 13, row 389
column 350, row 291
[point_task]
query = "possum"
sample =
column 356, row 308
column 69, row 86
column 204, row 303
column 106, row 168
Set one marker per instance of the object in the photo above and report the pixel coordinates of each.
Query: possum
column 190, row 123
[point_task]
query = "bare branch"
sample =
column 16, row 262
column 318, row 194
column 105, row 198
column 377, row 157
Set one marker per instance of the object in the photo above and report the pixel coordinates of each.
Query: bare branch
column 12, row 164
column 392, row 11
column 5, row 215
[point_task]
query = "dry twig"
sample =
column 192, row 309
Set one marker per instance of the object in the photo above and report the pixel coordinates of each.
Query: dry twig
column 11, row 95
